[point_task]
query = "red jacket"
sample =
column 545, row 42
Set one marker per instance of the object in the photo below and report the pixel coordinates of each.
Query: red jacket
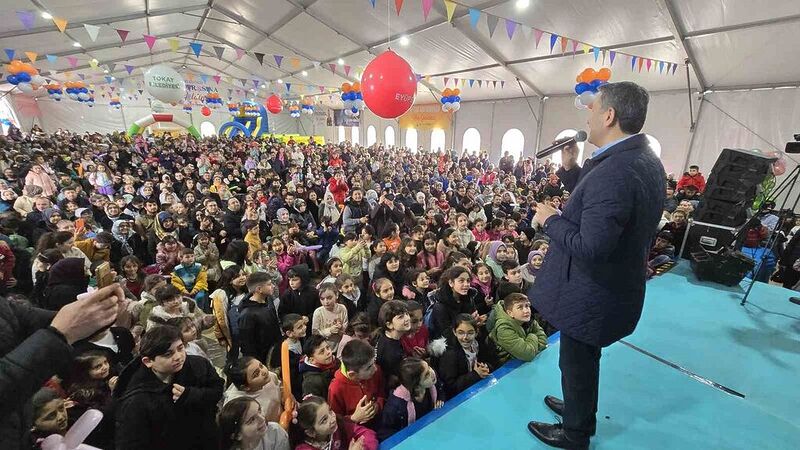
column 7, row 261
column 344, row 393
column 697, row 181
column 339, row 190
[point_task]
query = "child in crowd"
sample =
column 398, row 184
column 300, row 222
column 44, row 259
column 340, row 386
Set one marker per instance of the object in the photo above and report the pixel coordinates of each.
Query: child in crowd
column 529, row 270
column 167, row 255
column 333, row 268
column 284, row 258
column 300, row 298
column 357, row 391
column 147, row 300
column 352, row 255
column 463, row 233
column 259, row 327
column 49, row 416
column 382, row 291
column 479, row 231
column 415, row 342
column 350, row 295
column 417, row 286
column 430, row 259
column 512, row 274
column 191, row 279
column 190, row 336
column 413, row 398
column 248, row 377
column 207, row 254
column 330, row 319
column 467, row 359
column 513, row 331
column 484, row 282
column 378, row 249
column 244, row 425
column 317, row 367
column 358, row 328
column 391, row 237
column 172, row 304
column 395, row 322
column 132, row 276
column 89, row 387
column 293, row 327
column 320, row 427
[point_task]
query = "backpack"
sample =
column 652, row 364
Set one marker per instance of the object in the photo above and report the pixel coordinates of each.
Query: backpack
column 427, row 318
column 233, row 318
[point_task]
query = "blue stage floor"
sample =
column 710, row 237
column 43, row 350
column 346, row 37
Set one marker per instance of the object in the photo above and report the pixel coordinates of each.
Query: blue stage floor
column 646, row 404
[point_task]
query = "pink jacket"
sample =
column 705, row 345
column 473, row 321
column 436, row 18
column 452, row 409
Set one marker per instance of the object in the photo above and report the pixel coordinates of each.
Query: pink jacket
column 43, row 180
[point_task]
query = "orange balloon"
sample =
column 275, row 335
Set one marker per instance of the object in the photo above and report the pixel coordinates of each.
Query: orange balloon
column 447, row 92
column 30, row 70
column 357, row 86
column 604, row 74
column 456, row 91
column 578, row 79
column 588, row 75
column 346, row 87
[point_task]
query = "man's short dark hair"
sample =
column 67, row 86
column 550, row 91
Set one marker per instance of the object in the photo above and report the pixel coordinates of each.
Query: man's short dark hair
column 629, row 102
column 357, row 354
column 312, row 343
column 256, row 279
column 158, row 340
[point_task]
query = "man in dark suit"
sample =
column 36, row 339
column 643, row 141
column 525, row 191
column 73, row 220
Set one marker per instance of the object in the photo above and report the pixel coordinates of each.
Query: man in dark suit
column 591, row 286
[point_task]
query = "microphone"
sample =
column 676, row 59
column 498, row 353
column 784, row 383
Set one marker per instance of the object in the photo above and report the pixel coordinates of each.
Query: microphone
column 580, row 136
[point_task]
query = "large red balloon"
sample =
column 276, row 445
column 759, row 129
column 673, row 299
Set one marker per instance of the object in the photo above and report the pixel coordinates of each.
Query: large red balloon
column 274, row 104
column 388, row 85
column 206, row 111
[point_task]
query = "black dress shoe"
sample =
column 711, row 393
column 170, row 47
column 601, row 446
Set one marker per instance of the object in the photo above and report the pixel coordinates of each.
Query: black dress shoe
column 555, row 404
column 553, row 435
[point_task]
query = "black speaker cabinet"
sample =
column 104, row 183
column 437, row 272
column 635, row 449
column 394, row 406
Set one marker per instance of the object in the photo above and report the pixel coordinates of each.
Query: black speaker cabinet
column 706, row 237
column 728, row 268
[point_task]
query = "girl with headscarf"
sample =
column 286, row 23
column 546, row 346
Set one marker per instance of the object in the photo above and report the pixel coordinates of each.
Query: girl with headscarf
column 329, row 210
column 496, row 253
column 529, row 270
column 7, row 199
column 163, row 226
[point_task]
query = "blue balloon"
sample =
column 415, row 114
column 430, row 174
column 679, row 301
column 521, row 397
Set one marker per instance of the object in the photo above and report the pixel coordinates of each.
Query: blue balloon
column 353, row 96
column 457, row 99
column 355, row 110
column 580, row 88
column 596, row 84
column 12, row 79
column 359, row 96
column 24, row 77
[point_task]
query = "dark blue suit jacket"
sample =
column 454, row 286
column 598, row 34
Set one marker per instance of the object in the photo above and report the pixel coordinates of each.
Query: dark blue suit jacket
column 591, row 286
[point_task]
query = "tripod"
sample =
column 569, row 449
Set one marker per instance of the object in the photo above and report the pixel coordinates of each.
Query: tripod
column 787, row 185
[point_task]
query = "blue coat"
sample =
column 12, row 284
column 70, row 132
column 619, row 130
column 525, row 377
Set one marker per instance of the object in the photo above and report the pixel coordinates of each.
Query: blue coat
column 591, row 285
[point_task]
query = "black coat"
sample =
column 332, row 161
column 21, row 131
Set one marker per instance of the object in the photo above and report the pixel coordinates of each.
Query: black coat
column 31, row 354
column 148, row 419
column 259, row 328
column 453, row 366
column 67, row 279
column 591, row 286
column 446, row 308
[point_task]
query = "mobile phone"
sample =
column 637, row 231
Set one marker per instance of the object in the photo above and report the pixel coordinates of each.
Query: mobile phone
column 103, row 275
column 80, row 223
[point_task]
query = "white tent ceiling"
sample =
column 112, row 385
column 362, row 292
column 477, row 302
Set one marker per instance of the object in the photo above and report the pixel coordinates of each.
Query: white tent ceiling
column 730, row 43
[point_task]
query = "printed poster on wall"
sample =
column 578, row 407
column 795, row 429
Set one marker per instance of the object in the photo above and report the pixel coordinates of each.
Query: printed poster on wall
column 341, row 120
column 426, row 117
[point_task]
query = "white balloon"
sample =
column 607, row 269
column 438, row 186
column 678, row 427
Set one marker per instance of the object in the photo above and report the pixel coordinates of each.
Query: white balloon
column 38, row 79
column 587, row 98
column 73, row 96
column 83, row 96
column 456, row 106
column 25, row 87
column 164, row 83
column 579, row 104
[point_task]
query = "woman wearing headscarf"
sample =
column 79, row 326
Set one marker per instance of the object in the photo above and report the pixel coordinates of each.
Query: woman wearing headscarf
column 126, row 242
column 24, row 203
column 163, row 226
column 329, row 210
column 66, row 280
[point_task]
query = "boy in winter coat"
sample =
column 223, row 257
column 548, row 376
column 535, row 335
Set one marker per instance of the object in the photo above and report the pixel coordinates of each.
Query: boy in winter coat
column 191, row 279
column 318, row 366
column 513, row 331
column 692, row 178
column 301, row 297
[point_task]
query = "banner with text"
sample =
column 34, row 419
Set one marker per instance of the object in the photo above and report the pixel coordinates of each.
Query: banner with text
column 342, row 120
column 426, row 117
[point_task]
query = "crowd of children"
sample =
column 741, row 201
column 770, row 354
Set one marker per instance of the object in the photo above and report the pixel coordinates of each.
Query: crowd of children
column 352, row 290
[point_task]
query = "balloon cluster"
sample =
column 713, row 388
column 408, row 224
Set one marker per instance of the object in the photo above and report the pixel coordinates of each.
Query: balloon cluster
column 24, row 76
column 90, row 101
column 251, row 109
column 352, row 98
column 187, row 107
column 589, row 81
column 213, row 100
column 294, row 110
column 451, row 100
column 54, row 91
column 233, row 108
column 76, row 90
column 114, row 103
column 308, row 106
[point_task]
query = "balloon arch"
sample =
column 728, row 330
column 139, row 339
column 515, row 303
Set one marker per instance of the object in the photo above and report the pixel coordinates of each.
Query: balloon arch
column 146, row 121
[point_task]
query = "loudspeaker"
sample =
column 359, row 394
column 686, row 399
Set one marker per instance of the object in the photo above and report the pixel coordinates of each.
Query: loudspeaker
column 702, row 237
column 728, row 268
column 732, row 186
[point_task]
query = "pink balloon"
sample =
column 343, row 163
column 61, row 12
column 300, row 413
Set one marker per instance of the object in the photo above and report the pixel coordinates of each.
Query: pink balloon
column 388, row 85
column 779, row 166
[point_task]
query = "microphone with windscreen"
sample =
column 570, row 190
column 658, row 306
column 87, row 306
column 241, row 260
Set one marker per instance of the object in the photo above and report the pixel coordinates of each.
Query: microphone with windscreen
column 580, row 136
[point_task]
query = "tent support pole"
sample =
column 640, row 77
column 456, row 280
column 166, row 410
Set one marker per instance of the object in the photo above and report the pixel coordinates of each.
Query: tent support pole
column 693, row 132
column 689, row 91
column 539, row 130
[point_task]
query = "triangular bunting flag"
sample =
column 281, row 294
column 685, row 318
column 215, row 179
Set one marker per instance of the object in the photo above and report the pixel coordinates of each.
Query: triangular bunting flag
column 574, row 47
column 259, row 57
column 674, row 66
column 173, row 44
column 463, row 82
column 564, row 42
column 347, row 71
column 491, row 22
column 649, row 64
column 228, row 79
column 315, row 64
column 10, row 53
column 586, row 48
column 537, row 34
column 471, row 83
column 511, row 26
column 480, row 83
column 51, row 58
column 451, row 8
column 150, row 40
column 398, row 5
column 140, row 91
column 189, row 75
column 255, row 83
column 129, row 69
column 278, row 60
column 92, row 31
column 446, row 80
column 553, row 40
column 455, row 82
column 93, row 63
column 230, row 92
column 494, row 84
column 502, row 84
column 196, row 47
column 633, row 62
column 426, row 8
column 661, row 66
column 474, row 16
column 32, row 56
column 219, row 51
column 596, row 53
column 27, row 18
column 288, row 87
column 239, row 53
column 83, row 77
column 641, row 62
column 123, row 34
column 217, row 78
column 332, row 67
column 204, row 78
column 373, row 3
column 108, row 79
column 60, row 23
column 73, row 61
column 295, row 62
column 612, row 56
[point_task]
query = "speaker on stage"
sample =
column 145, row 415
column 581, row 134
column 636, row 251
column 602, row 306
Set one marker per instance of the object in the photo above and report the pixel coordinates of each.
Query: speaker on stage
column 732, row 187
column 726, row 267
column 706, row 237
